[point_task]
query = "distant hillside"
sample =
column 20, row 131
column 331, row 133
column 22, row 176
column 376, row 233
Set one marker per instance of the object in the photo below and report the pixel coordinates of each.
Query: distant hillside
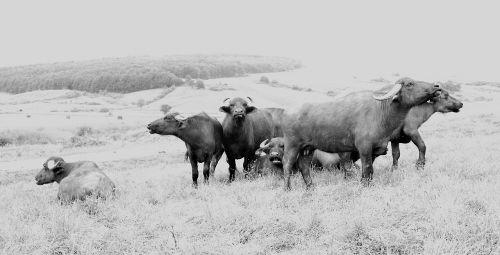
column 135, row 73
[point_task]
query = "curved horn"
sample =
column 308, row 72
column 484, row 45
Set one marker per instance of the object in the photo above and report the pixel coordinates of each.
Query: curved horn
column 389, row 94
column 264, row 144
column 180, row 117
column 250, row 99
column 56, row 160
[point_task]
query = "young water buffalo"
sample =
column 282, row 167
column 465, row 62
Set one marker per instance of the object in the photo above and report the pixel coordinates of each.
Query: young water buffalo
column 358, row 122
column 270, row 157
column 416, row 117
column 244, row 128
column 202, row 135
column 76, row 180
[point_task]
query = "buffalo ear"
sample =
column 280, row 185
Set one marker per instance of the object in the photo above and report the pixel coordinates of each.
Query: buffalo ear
column 395, row 98
column 260, row 152
column 181, row 124
column 224, row 109
column 250, row 109
column 57, row 168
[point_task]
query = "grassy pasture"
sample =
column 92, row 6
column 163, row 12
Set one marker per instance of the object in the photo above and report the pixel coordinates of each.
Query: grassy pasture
column 451, row 207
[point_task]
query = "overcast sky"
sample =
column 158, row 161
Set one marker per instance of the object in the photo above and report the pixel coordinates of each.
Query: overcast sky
column 430, row 36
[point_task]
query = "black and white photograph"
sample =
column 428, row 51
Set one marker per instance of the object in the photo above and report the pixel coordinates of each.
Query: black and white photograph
column 249, row 127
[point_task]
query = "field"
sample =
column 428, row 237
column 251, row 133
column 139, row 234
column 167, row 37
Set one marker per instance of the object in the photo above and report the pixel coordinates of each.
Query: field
column 451, row 207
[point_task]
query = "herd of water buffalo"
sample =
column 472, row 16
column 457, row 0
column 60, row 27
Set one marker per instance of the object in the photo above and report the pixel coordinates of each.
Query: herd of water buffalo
column 332, row 134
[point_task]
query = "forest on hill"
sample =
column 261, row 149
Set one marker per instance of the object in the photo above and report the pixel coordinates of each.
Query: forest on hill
column 136, row 73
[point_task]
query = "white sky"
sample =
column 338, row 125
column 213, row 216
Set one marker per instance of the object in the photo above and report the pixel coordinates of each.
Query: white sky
column 430, row 36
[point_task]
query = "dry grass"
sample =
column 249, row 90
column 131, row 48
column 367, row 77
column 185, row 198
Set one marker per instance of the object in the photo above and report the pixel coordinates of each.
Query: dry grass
column 452, row 207
column 21, row 137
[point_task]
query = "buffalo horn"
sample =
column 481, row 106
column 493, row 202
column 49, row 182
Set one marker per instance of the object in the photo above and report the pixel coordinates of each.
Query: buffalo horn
column 389, row 94
column 250, row 99
column 264, row 144
column 56, row 160
column 180, row 117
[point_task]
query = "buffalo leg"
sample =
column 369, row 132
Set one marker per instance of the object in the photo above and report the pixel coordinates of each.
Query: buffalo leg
column 214, row 161
column 247, row 165
column 194, row 171
column 206, row 170
column 395, row 155
column 289, row 160
column 365, row 153
column 246, row 162
column 232, row 168
column 419, row 142
column 306, row 175
column 354, row 156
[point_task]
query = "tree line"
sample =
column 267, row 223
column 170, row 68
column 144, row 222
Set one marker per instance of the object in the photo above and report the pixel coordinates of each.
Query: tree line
column 135, row 73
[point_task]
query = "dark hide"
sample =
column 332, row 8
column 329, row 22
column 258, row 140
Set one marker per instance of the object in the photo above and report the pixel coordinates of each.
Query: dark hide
column 277, row 115
column 270, row 156
column 419, row 114
column 202, row 135
column 244, row 128
column 358, row 122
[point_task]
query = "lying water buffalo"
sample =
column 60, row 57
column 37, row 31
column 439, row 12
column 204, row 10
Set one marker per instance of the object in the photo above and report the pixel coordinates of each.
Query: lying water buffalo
column 202, row 135
column 270, row 157
column 416, row 117
column 358, row 122
column 244, row 128
column 76, row 180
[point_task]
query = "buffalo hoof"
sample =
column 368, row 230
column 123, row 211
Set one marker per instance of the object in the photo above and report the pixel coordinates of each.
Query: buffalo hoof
column 420, row 165
column 287, row 187
column 366, row 182
column 195, row 185
column 394, row 167
column 310, row 187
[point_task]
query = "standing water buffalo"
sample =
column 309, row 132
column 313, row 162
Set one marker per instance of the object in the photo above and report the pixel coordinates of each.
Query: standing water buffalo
column 202, row 135
column 76, row 180
column 358, row 122
column 244, row 128
column 416, row 117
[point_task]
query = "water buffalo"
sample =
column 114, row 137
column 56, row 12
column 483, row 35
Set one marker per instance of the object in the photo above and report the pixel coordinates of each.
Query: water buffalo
column 76, row 180
column 358, row 122
column 244, row 128
column 270, row 157
column 416, row 117
column 202, row 135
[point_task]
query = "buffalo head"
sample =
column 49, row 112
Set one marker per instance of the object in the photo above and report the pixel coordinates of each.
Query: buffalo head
column 446, row 103
column 409, row 92
column 274, row 148
column 52, row 171
column 237, row 107
column 168, row 125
